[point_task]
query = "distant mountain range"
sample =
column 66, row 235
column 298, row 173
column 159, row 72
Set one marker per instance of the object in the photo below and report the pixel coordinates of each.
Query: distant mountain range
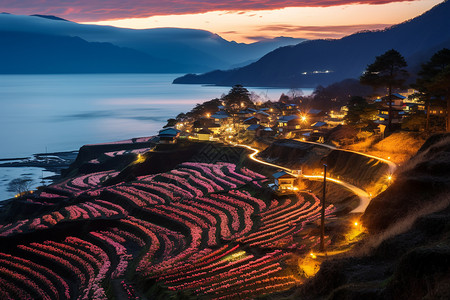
column 48, row 44
column 315, row 62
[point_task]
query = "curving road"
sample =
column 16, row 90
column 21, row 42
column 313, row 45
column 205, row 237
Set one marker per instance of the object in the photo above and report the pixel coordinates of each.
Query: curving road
column 363, row 195
column 392, row 165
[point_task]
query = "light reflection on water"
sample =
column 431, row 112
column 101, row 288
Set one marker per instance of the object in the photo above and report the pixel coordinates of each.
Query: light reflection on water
column 64, row 112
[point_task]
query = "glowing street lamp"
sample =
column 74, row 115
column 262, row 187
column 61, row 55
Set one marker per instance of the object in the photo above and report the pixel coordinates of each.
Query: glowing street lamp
column 303, row 118
column 140, row 158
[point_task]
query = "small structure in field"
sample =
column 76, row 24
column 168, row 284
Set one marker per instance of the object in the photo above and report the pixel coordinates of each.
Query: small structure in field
column 284, row 181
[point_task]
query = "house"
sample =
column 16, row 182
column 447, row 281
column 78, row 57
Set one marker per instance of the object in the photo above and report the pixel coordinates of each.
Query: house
column 397, row 111
column 284, row 181
column 221, row 118
column 251, row 121
column 204, row 134
column 244, row 114
column 263, row 117
column 319, row 125
column 265, row 132
column 315, row 115
column 202, row 123
column 397, row 100
column 438, row 111
column 336, row 117
column 206, row 123
column 289, row 123
column 383, row 115
column 253, row 130
column 168, row 135
column 289, row 109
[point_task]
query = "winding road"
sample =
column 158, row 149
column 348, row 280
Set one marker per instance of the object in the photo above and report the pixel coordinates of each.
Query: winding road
column 363, row 195
column 392, row 165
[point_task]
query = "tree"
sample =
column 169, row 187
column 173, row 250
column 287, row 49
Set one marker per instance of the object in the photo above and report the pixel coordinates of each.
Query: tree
column 238, row 97
column 387, row 71
column 208, row 107
column 339, row 93
column 434, row 81
column 19, row 185
column 295, row 94
column 359, row 111
column 170, row 123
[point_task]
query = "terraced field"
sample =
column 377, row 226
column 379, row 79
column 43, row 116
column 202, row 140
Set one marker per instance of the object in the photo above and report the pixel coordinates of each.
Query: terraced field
column 198, row 230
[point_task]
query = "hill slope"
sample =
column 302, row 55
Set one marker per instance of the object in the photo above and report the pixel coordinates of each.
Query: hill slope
column 406, row 255
column 25, row 53
column 200, row 50
column 326, row 61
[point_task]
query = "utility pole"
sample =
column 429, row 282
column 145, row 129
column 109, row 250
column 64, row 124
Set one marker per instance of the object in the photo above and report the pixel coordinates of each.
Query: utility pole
column 322, row 218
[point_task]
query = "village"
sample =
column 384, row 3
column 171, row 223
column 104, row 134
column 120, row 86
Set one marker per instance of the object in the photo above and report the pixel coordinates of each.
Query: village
column 245, row 121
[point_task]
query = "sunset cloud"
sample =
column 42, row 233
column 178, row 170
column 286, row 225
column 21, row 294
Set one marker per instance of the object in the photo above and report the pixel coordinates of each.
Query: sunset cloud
column 328, row 31
column 96, row 10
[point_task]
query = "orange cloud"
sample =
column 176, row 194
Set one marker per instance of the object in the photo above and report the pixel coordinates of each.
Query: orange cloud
column 96, row 10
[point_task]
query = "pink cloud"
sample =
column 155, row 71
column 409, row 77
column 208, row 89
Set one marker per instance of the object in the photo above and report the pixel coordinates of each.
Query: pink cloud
column 315, row 32
column 329, row 29
column 96, row 10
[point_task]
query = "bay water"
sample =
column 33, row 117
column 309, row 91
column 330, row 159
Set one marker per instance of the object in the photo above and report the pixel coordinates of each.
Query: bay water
column 54, row 113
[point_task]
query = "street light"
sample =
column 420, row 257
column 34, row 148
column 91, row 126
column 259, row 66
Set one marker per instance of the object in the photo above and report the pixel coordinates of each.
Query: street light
column 322, row 217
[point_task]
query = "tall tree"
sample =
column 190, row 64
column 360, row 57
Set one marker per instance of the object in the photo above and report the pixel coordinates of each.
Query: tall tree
column 360, row 113
column 388, row 71
column 434, row 81
column 238, row 97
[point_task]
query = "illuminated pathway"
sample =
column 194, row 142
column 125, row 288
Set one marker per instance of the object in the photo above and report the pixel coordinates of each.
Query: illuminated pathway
column 392, row 166
column 363, row 195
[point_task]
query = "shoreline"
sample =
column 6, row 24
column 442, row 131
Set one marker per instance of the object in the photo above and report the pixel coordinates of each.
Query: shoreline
column 48, row 162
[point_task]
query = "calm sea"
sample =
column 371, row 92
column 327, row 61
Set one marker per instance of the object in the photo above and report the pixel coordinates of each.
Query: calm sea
column 40, row 113
column 52, row 113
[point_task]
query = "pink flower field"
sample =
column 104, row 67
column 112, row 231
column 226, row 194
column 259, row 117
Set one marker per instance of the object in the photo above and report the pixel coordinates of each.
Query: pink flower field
column 199, row 230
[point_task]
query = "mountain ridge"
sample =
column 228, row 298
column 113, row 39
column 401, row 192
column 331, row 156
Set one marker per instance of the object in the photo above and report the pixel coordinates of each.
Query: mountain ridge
column 324, row 61
column 200, row 50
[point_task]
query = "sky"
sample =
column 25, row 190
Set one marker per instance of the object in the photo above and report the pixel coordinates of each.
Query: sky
column 238, row 20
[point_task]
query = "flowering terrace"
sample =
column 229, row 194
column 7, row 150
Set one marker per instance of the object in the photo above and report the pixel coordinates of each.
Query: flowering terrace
column 199, row 230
